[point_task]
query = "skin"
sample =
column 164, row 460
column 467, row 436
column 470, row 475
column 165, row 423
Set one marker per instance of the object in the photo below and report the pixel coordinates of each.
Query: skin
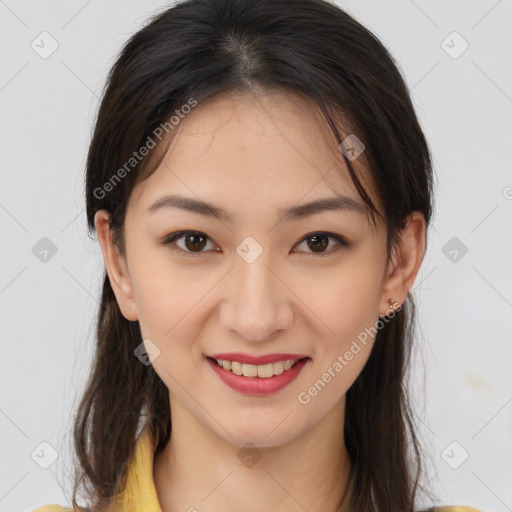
column 253, row 155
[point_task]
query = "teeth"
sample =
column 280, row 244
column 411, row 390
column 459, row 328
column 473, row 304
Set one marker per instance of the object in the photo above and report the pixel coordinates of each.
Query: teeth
column 236, row 367
column 263, row 371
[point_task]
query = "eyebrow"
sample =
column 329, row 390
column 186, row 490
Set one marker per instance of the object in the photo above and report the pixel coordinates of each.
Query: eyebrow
column 337, row 203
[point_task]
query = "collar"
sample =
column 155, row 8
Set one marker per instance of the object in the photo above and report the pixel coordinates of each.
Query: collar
column 139, row 492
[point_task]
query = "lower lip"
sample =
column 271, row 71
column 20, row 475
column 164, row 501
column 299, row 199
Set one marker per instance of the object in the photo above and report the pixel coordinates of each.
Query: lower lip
column 258, row 386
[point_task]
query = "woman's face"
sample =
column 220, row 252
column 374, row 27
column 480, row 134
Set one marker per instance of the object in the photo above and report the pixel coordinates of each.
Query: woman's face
column 254, row 281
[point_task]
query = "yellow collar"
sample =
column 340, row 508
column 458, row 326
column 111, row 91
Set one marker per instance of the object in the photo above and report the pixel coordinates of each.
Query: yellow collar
column 139, row 493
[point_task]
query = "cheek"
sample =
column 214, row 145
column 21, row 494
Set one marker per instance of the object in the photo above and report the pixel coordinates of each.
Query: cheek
column 344, row 300
column 347, row 305
column 164, row 297
column 337, row 301
column 169, row 305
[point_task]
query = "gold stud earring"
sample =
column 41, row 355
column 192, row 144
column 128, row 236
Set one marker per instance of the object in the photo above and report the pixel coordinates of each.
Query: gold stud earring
column 393, row 305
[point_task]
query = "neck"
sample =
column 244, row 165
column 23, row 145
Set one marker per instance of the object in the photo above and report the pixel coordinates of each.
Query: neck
column 199, row 470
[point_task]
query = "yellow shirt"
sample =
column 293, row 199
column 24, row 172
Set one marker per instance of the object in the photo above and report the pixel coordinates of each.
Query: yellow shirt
column 140, row 493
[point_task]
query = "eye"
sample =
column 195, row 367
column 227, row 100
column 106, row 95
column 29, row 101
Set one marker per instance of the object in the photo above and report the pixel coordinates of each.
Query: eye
column 196, row 241
column 319, row 241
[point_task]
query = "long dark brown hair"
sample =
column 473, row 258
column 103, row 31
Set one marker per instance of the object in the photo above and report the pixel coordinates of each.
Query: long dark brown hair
column 188, row 53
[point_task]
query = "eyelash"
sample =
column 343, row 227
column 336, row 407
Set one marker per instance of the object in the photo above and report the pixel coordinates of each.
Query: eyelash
column 180, row 234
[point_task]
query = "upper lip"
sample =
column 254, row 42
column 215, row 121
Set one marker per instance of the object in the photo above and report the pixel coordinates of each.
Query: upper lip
column 248, row 359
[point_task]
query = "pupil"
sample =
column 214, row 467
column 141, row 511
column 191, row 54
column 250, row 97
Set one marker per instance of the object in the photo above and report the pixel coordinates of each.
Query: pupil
column 196, row 245
column 317, row 243
column 321, row 245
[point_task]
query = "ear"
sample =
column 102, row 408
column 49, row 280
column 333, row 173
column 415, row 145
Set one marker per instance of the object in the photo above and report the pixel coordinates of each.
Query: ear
column 116, row 266
column 404, row 263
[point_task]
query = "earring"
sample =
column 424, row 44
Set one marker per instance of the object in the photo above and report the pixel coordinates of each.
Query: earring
column 393, row 305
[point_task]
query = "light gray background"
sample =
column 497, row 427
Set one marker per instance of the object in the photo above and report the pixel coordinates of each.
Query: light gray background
column 48, row 309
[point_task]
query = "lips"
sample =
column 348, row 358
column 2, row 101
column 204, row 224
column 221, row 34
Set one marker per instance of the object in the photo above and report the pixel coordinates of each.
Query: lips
column 256, row 385
column 256, row 360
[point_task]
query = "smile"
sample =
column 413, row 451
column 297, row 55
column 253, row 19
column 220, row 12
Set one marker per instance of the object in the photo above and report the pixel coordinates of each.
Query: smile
column 257, row 380
column 264, row 371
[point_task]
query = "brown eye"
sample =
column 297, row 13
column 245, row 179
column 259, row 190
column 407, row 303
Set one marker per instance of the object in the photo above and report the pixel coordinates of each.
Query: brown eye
column 318, row 242
column 195, row 241
column 192, row 241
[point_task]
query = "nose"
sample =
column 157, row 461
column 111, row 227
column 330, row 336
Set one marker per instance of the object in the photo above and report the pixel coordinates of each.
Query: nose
column 256, row 302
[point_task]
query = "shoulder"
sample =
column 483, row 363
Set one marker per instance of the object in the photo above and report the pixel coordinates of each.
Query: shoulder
column 52, row 508
column 454, row 509
column 58, row 508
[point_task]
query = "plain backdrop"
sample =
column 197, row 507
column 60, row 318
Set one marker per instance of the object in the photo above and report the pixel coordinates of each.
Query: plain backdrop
column 461, row 85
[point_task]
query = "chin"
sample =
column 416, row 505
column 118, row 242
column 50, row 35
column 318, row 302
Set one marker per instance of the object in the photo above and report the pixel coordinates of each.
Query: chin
column 269, row 433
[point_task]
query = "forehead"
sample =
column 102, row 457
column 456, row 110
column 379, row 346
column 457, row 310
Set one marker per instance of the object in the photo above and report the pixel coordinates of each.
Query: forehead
column 270, row 145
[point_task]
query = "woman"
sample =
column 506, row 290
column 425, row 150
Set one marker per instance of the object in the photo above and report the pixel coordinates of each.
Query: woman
column 261, row 190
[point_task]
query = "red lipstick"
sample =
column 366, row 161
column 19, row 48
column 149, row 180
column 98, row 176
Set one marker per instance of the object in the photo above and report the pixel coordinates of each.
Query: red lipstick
column 248, row 359
column 258, row 386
